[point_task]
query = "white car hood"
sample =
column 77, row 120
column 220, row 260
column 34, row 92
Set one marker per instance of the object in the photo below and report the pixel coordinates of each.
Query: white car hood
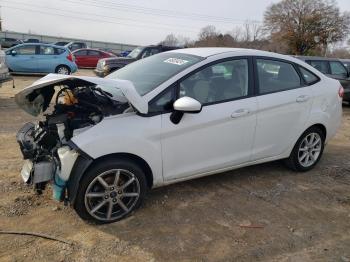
column 34, row 99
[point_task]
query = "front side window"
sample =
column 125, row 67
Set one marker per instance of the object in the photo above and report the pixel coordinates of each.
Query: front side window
column 146, row 53
column 149, row 52
column 276, row 76
column 310, row 78
column 219, row 82
column 321, row 66
column 26, row 50
column 147, row 74
column 135, row 53
column 338, row 69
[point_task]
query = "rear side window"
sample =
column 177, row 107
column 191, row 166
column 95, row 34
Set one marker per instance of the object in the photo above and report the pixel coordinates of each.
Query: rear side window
column 47, row 50
column 321, row 66
column 276, row 76
column 338, row 69
column 310, row 78
column 94, row 53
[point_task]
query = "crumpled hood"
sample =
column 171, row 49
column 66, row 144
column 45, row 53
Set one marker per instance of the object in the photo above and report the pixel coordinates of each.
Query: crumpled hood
column 36, row 98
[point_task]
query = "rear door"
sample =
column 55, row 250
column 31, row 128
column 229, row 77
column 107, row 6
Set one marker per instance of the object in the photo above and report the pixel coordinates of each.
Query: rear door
column 24, row 60
column 81, row 58
column 47, row 59
column 284, row 105
column 93, row 57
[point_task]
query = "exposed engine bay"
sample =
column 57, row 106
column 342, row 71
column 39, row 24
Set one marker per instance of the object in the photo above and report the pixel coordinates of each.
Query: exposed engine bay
column 44, row 145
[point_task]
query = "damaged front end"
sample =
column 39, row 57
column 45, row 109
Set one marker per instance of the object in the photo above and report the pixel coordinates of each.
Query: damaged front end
column 79, row 104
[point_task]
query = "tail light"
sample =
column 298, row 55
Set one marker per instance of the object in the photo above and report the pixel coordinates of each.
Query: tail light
column 341, row 92
column 70, row 57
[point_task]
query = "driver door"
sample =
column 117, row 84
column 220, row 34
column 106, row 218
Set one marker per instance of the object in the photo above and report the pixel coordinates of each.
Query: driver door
column 221, row 135
column 24, row 60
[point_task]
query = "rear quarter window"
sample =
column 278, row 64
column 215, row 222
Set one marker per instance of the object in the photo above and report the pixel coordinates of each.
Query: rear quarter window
column 59, row 51
column 309, row 77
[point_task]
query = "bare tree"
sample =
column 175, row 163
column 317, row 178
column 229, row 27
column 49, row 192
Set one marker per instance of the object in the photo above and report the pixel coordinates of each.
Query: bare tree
column 208, row 32
column 306, row 25
column 252, row 31
column 170, row 40
column 339, row 53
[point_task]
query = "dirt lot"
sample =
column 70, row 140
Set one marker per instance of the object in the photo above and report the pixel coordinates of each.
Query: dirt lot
column 305, row 216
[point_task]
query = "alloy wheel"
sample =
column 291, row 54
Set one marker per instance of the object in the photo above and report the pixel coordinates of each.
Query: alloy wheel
column 112, row 194
column 63, row 70
column 310, row 149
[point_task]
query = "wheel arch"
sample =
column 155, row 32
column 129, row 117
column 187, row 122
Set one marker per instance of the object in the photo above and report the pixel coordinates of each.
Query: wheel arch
column 321, row 127
column 84, row 163
column 128, row 156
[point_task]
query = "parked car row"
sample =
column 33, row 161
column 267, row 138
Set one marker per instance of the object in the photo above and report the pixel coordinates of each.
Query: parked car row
column 106, row 66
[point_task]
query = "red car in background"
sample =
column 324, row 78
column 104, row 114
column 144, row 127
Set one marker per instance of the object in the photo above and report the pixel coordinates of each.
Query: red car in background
column 88, row 57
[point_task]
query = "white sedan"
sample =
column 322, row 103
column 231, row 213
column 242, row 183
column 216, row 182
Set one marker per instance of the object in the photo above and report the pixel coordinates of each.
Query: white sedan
column 171, row 117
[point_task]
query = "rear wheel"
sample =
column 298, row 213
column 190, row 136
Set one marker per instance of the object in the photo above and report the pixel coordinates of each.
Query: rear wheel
column 63, row 70
column 307, row 151
column 110, row 191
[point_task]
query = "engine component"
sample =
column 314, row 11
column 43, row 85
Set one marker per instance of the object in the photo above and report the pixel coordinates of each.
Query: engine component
column 43, row 171
column 27, row 170
column 25, row 138
column 67, row 159
column 43, row 145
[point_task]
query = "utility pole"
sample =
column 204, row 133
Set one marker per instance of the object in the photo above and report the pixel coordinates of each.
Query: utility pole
column 0, row 19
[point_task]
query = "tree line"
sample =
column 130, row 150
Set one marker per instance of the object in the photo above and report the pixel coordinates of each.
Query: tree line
column 297, row 27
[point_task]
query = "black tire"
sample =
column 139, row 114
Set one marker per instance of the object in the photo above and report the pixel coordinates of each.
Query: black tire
column 62, row 68
column 81, row 206
column 293, row 162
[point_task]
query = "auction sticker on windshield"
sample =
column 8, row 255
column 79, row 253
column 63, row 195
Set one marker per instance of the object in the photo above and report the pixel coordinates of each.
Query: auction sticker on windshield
column 176, row 61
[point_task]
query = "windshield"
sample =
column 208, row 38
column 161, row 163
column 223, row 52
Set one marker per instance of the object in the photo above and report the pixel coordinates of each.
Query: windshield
column 146, row 74
column 134, row 53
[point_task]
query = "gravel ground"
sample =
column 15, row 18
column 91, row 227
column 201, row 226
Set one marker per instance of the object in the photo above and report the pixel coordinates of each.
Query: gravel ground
column 303, row 216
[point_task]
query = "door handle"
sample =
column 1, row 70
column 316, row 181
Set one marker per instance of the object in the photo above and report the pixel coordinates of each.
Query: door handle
column 302, row 98
column 240, row 112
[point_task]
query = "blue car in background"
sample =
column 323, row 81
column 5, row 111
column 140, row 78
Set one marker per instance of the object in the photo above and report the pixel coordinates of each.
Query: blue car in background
column 40, row 58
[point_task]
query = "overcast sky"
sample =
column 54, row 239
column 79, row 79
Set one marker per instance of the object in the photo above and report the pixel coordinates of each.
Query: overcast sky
column 130, row 22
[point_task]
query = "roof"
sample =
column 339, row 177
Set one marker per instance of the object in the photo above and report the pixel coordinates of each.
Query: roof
column 210, row 51
column 316, row 58
column 25, row 44
column 92, row 49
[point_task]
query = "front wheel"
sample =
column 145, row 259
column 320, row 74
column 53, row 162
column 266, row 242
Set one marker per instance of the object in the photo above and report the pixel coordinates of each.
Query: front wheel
column 110, row 191
column 307, row 151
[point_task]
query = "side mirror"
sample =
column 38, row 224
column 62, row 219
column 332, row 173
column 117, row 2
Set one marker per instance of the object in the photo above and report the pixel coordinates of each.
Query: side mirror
column 184, row 105
column 13, row 52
